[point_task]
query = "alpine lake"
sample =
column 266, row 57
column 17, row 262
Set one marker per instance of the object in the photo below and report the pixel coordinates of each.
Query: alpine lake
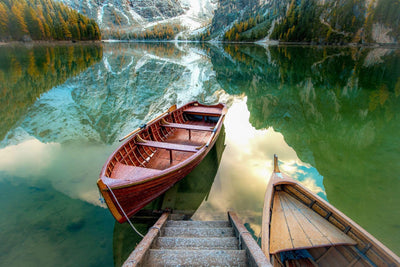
column 331, row 114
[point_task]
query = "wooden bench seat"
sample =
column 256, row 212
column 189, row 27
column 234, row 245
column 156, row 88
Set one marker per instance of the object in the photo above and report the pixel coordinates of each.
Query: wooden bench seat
column 188, row 126
column 129, row 172
column 169, row 146
column 205, row 111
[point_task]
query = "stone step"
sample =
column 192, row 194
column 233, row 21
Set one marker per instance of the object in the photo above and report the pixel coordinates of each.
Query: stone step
column 198, row 232
column 198, row 224
column 196, row 243
column 170, row 257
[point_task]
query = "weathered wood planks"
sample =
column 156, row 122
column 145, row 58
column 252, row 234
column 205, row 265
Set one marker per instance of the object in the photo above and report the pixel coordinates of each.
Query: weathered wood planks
column 292, row 213
column 295, row 226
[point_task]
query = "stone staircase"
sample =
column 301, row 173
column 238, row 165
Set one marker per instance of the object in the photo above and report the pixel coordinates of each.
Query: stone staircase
column 202, row 243
column 197, row 243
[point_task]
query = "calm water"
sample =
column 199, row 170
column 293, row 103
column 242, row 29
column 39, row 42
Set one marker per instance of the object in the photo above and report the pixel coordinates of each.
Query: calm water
column 331, row 115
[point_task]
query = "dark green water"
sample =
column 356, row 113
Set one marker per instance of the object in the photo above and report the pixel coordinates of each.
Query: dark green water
column 331, row 114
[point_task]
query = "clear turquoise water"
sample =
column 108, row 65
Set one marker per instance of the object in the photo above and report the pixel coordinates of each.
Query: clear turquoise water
column 331, row 114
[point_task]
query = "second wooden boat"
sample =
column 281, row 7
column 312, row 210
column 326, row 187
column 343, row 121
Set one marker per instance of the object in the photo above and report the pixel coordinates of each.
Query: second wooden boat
column 301, row 229
column 157, row 155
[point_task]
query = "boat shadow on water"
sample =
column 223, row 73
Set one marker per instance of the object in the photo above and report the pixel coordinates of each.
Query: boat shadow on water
column 184, row 198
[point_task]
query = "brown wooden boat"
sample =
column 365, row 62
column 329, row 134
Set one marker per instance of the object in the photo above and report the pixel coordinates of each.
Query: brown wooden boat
column 157, row 155
column 301, row 229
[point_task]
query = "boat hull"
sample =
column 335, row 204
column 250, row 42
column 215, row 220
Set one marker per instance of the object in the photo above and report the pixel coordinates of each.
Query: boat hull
column 349, row 244
column 133, row 198
column 126, row 195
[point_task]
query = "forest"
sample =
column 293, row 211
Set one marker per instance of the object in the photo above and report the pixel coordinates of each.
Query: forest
column 22, row 20
column 158, row 32
column 308, row 21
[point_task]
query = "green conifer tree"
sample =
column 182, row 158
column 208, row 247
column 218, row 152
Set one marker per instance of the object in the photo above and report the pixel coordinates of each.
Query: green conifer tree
column 18, row 27
column 4, row 21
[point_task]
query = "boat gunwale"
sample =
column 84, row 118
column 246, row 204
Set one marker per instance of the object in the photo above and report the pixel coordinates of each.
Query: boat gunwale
column 355, row 231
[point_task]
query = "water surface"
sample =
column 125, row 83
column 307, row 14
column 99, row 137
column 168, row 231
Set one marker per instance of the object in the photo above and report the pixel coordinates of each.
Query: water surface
column 331, row 114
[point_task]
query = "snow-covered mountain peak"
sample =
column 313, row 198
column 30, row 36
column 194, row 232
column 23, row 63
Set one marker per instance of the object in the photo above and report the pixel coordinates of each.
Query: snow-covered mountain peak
column 133, row 15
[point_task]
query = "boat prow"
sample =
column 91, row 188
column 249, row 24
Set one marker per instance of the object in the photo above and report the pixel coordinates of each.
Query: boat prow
column 301, row 229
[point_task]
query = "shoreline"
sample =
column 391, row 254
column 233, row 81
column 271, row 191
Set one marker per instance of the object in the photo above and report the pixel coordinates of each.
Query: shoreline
column 45, row 42
column 261, row 42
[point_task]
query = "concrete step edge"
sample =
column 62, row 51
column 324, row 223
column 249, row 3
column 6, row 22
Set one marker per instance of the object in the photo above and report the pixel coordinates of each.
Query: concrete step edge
column 196, row 243
column 198, row 224
column 170, row 257
column 198, row 232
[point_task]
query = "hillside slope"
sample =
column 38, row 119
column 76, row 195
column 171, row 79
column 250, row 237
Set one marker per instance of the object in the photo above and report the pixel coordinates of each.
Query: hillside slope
column 44, row 20
column 311, row 21
column 123, row 18
column 315, row 21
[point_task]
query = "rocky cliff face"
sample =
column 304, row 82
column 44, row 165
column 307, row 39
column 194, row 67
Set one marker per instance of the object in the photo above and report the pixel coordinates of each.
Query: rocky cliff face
column 316, row 21
column 127, row 13
column 136, row 15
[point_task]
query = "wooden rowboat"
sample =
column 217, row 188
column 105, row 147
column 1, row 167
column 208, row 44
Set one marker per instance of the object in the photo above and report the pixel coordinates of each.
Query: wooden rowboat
column 301, row 229
column 157, row 155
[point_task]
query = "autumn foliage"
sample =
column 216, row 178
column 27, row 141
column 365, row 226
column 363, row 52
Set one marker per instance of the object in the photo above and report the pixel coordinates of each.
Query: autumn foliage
column 22, row 20
column 158, row 32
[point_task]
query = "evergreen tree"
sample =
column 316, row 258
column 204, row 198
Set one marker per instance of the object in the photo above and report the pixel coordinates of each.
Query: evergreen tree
column 35, row 25
column 18, row 27
column 44, row 20
column 4, row 20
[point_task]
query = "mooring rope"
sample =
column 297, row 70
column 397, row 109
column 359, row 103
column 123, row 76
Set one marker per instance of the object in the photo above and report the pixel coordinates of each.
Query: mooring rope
column 116, row 200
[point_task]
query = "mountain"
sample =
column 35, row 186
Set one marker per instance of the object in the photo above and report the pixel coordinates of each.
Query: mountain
column 119, row 17
column 311, row 21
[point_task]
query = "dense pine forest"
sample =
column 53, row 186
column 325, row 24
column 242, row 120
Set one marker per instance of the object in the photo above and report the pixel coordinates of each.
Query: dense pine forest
column 22, row 20
column 158, row 32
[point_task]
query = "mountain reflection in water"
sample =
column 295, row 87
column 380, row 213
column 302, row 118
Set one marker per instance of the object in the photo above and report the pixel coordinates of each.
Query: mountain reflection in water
column 330, row 113
column 338, row 108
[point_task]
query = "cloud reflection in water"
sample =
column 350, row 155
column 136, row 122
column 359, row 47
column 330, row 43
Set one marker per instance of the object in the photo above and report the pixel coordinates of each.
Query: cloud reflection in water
column 246, row 166
column 28, row 158
column 71, row 169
